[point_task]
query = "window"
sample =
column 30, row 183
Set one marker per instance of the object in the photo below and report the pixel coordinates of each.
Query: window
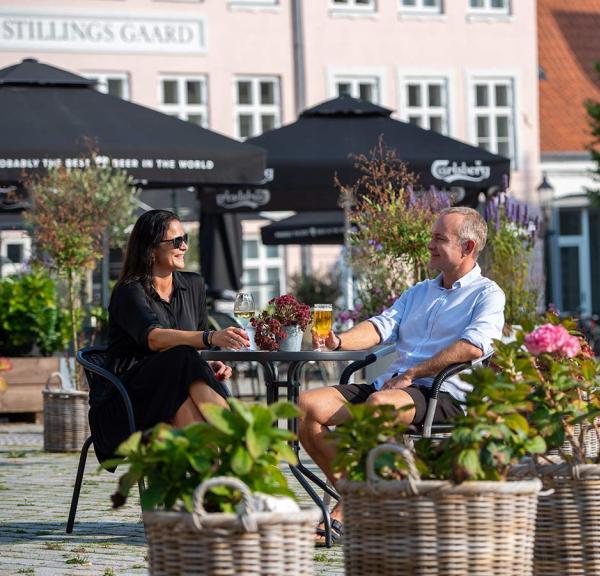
column 429, row 6
column 353, row 4
column 185, row 97
column 115, row 84
column 424, row 102
column 363, row 87
column 257, row 105
column 263, row 270
column 493, row 115
column 489, row 6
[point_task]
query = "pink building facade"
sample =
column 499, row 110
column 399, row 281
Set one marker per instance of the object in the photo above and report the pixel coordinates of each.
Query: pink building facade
column 466, row 68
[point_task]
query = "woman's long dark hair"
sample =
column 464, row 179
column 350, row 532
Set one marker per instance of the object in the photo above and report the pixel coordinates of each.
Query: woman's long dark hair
column 146, row 235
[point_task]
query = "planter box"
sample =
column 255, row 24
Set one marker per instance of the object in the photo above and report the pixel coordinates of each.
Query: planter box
column 26, row 381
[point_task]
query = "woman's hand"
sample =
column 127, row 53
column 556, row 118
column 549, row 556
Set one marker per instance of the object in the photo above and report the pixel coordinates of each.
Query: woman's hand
column 231, row 337
column 330, row 342
column 222, row 371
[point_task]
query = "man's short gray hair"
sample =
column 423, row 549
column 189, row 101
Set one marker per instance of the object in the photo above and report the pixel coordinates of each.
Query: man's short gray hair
column 473, row 227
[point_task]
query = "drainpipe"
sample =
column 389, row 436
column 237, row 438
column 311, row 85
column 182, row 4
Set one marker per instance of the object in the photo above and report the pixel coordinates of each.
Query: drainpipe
column 299, row 98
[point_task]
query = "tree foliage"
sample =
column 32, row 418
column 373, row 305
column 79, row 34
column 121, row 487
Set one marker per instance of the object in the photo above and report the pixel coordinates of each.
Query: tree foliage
column 70, row 212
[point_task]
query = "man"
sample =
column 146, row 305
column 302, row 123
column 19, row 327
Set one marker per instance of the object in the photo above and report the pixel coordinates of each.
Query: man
column 452, row 318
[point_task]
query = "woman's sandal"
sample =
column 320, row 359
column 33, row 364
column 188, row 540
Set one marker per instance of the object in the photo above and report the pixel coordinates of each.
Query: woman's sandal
column 337, row 533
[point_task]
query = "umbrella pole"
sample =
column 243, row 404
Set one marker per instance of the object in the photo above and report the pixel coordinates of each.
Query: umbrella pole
column 348, row 281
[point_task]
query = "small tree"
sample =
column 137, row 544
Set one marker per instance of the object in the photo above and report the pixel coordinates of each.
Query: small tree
column 593, row 110
column 390, row 227
column 70, row 212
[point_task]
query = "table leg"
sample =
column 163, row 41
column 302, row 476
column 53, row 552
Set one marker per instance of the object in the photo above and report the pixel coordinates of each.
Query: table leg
column 300, row 471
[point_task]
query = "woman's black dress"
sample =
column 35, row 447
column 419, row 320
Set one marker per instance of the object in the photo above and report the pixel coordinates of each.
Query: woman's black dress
column 157, row 382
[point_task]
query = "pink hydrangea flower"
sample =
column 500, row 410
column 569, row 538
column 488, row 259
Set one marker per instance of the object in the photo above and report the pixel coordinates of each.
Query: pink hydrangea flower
column 552, row 339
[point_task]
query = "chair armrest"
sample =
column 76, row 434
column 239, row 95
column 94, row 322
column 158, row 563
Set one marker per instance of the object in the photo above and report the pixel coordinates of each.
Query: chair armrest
column 359, row 364
column 454, row 369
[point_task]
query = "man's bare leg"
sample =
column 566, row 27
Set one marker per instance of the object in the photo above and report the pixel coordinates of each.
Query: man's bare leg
column 326, row 407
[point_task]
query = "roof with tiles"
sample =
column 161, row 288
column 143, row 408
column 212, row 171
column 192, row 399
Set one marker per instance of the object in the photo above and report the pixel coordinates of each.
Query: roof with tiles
column 569, row 46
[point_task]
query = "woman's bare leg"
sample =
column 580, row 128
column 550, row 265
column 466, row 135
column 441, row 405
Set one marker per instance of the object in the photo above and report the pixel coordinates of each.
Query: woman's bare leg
column 202, row 393
column 188, row 413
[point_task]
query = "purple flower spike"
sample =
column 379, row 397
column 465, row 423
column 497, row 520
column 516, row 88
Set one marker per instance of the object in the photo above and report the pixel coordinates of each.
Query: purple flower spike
column 498, row 221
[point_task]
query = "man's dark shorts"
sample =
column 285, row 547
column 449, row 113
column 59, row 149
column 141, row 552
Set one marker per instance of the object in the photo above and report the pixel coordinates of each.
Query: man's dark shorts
column 447, row 406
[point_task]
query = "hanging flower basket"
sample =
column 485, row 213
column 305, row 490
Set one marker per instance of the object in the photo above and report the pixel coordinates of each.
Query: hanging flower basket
column 436, row 528
column 219, row 544
column 66, row 424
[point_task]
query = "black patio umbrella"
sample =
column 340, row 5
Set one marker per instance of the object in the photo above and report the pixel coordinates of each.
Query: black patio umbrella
column 306, row 228
column 51, row 116
column 304, row 157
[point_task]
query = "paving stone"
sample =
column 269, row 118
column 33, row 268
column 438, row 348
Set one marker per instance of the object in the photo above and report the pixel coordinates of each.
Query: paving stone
column 35, row 494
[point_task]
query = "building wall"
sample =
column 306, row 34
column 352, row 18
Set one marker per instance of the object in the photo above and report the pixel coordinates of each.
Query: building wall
column 387, row 44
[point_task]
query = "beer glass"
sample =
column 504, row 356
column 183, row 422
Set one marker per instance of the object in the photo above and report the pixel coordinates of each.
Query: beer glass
column 323, row 321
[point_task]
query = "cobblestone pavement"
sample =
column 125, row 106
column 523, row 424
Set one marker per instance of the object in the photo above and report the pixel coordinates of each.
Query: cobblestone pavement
column 35, row 493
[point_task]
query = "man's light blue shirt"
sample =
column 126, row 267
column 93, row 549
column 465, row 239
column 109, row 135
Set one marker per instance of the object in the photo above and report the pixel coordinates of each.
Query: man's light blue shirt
column 428, row 318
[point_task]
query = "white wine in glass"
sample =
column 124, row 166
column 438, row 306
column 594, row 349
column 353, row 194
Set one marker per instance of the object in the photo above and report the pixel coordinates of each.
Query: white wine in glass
column 244, row 308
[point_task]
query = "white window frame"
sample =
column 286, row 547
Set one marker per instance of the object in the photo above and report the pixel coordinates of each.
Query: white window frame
column 182, row 110
column 256, row 108
column 262, row 263
column 488, row 10
column 356, row 75
column 420, row 8
column 352, row 6
column 510, row 77
column 405, row 78
column 102, row 79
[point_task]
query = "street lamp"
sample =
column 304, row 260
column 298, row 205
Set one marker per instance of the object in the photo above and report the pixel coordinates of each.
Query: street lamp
column 546, row 194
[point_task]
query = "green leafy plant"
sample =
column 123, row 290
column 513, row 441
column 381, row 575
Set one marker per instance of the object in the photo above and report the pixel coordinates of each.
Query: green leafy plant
column 563, row 377
column 240, row 441
column 368, row 427
column 30, row 314
column 390, row 228
column 492, row 436
column 71, row 211
column 593, row 111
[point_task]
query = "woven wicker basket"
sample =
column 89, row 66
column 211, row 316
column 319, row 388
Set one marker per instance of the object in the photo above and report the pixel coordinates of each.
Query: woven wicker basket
column 253, row 543
column 65, row 417
column 567, row 539
column 434, row 528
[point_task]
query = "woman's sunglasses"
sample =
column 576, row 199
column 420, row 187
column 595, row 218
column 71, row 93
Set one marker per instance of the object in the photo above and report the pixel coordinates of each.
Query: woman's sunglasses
column 177, row 241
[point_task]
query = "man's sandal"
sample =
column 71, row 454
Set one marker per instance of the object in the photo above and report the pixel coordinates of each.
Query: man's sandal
column 337, row 533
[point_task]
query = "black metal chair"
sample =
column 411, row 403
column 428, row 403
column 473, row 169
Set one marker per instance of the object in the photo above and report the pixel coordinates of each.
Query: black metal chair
column 100, row 382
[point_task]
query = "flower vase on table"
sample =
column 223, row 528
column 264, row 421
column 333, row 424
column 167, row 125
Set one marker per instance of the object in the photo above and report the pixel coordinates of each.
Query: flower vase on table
column 281, row 324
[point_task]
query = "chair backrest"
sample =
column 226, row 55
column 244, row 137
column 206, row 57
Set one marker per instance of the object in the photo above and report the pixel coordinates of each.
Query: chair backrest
column 102, row 383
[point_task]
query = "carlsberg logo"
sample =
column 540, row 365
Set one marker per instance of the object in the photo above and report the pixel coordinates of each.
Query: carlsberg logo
column 443, row 170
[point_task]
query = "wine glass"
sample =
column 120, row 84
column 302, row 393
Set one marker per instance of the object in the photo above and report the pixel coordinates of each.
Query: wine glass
column 244, row 308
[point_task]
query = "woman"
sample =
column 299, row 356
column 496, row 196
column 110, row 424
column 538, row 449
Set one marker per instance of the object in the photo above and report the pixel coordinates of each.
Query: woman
column 157, row 322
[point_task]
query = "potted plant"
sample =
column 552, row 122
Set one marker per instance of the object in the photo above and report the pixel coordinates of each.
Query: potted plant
column 281, row 325
column 564, row 378
column 72, row 211
column 236, row 522
column 446, row 508
column 32, row 327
